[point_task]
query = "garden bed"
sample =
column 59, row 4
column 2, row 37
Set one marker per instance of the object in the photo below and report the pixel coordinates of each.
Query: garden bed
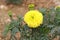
column 19, row 10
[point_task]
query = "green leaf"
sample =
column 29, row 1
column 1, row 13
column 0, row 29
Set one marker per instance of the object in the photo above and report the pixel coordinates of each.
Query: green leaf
column 6, row 30
column 58, row 9
column 43, row 10
column 51, row 26
column 14, row 31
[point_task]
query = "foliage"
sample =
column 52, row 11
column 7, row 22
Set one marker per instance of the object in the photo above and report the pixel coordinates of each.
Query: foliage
column 15, row 2
column 51, row 26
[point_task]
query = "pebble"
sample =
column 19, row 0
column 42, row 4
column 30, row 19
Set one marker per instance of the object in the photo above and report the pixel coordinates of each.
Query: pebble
column 3, row 7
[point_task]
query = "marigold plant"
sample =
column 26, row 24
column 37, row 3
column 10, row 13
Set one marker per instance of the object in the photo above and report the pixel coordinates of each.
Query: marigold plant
column 40, row 24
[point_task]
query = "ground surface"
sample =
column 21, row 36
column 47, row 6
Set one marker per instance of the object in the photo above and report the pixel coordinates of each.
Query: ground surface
column 19, row 10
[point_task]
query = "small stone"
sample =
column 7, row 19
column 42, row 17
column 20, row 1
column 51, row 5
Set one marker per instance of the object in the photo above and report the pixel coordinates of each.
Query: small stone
column 1, row 6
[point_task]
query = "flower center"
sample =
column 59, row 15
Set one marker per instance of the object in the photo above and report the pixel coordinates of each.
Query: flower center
column 32, row 17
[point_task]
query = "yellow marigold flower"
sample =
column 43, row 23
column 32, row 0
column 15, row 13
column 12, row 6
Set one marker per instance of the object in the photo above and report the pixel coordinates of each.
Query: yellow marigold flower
column 33, row 18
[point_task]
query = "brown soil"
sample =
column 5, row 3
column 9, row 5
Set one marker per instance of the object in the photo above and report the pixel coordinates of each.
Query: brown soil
column 19, row 10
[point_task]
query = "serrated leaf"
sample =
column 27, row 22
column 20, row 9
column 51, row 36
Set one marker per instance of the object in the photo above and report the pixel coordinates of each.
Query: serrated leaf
column 14, row 31
column 6, row 30
column 43, row 10
column 50, row 26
